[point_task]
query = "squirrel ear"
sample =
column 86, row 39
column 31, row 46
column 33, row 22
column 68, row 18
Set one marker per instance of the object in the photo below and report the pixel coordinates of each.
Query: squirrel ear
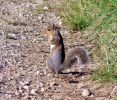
column 55, row 27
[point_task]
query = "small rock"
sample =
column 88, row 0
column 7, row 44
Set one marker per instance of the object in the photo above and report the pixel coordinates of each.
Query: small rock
column 34, row 40
column 80, row 85
column 41, row 84
column 52, row 84
column 40, row 17
column 49, row 74
column 20, row 90
column 33, row 92
column 26, row 87
column 16, row 93
column 21, row 83
column 82, row 77
column 45, row 73
column 60, row 22
column 42, row 90
column 37, row 72
column 92, row 95
column 40, row 74
column 45, row 8
column 68, row 70
column 86, row 92
column 27, row 82
column 12, row 36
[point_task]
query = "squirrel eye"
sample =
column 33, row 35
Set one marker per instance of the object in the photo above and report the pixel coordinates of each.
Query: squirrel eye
column 48, row 29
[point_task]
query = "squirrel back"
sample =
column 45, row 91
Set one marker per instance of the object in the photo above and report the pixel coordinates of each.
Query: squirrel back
column 57, row 60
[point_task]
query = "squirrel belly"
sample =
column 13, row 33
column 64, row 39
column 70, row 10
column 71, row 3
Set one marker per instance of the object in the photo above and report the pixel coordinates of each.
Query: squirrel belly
column 57, row 60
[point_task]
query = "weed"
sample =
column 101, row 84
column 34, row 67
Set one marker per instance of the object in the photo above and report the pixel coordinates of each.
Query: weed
column 115, row 97
column 76, row 15
column 39, row 9
column 98, row 19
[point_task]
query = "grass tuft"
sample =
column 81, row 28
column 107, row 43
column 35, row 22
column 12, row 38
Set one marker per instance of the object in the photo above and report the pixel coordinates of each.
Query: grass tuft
column 75, row 14
column 97, row 19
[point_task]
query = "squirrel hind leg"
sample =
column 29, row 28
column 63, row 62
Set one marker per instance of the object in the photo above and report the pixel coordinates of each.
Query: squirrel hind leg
column 82, row 63
column 54, row 69
column 58, row 69
column 50, row 65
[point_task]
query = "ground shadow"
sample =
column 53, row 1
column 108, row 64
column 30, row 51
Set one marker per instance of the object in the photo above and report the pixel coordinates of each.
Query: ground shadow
column 76, row 73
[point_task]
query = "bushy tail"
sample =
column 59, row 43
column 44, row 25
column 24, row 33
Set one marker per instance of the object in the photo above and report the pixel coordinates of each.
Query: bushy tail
column 77, row 56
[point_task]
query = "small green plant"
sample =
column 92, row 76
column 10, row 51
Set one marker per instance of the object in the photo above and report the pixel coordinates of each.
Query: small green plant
column 39, row 9
column 105, row 74
column 115, row 97
column 107, row 40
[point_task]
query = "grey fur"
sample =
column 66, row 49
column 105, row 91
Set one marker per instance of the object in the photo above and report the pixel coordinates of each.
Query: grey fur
column 77, row 56
column 55, row 61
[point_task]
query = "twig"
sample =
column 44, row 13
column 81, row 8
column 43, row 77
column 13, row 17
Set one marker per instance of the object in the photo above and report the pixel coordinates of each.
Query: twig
column 111, row 93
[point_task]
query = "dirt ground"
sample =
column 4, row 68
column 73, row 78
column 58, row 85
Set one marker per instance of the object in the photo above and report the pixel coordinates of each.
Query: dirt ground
column 23, row 53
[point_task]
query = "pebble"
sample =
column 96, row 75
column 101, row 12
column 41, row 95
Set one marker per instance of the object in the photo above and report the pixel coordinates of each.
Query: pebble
column 40, row 17
column 16, row 93
column 42, row 90
column 20, row 91
column 80, row 85
column 26, row 87
column 45, row 8
column 83, row 77
column 21, row 83
column 45, row 72
column 86, row 92
column 60, row 22
column 52, row 84
column 37, row 72
column 12, row 36
column 41, row 84
column 33, row 91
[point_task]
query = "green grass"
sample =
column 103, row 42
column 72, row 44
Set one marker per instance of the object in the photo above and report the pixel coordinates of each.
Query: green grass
column 75, row 14
column 98, row 20
column 115, row 97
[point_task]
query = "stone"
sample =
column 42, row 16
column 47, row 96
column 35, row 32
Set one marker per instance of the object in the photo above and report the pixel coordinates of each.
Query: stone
column 33, row 91
column 26, row 87
column 42, row 90
column 52, row 84
column 12, row 36
column 21, row 83
column 41, row 84
column 80, row 85
column 86, row 92
column 45, row 8
column 40, row 17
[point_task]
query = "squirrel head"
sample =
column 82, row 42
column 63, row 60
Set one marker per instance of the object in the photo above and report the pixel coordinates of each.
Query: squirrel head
column 52, row 32
column 51, row 29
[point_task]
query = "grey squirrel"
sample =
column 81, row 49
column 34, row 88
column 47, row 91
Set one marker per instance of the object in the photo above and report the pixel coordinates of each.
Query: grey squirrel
column 57, row 61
